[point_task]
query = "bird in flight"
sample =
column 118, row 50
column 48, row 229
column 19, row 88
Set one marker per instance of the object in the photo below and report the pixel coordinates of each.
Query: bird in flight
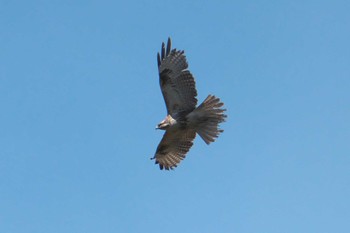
column 184, row 120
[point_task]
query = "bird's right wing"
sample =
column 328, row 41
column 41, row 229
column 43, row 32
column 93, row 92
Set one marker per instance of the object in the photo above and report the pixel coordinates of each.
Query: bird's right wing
column 173, row 147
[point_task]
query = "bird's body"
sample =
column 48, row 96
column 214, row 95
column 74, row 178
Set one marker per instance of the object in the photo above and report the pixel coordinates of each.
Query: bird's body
column 184, row 120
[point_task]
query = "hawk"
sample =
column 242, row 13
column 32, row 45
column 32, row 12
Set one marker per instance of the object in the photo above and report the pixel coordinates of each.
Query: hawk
column 184, row 120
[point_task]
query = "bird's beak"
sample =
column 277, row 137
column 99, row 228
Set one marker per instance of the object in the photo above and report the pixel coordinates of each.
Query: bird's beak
column 162, row 125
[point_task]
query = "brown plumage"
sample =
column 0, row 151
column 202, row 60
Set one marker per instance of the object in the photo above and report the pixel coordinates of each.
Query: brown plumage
column 183, row 120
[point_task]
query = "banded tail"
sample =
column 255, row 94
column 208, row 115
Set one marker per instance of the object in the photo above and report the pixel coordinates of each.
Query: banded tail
column 207, row 117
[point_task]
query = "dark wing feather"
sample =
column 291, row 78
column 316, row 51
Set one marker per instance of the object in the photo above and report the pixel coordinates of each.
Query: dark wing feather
column 173, row 147
column 176, row 82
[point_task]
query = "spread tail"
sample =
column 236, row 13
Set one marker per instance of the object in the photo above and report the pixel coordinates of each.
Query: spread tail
column 208, row 115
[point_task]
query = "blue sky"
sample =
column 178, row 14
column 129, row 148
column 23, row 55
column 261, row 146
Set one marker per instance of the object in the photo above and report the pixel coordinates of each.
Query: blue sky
column 80, row 98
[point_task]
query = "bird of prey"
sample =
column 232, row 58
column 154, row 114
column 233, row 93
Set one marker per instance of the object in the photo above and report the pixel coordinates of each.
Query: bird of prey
column 184, row 120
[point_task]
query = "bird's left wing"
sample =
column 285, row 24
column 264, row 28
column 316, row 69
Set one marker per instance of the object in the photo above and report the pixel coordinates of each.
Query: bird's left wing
column 176, row 81
column 173, row 147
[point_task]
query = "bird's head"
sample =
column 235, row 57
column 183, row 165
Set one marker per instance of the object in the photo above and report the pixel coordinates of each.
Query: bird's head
column 164, row 124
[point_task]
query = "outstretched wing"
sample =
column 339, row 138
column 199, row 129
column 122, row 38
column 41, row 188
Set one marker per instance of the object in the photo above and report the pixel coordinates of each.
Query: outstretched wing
column 173, row 147
column 176, row 82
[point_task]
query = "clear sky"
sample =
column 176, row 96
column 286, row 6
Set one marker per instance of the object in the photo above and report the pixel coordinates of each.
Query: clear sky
column 80, row 99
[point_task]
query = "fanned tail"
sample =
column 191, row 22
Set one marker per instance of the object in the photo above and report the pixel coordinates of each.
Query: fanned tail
column 208, row 115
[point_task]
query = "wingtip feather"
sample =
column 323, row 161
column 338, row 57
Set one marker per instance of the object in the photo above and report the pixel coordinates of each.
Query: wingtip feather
column 163, row 50
column 158, row 59
column 168, row 47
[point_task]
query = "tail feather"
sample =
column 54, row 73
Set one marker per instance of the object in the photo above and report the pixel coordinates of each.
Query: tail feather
column 208, row 116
